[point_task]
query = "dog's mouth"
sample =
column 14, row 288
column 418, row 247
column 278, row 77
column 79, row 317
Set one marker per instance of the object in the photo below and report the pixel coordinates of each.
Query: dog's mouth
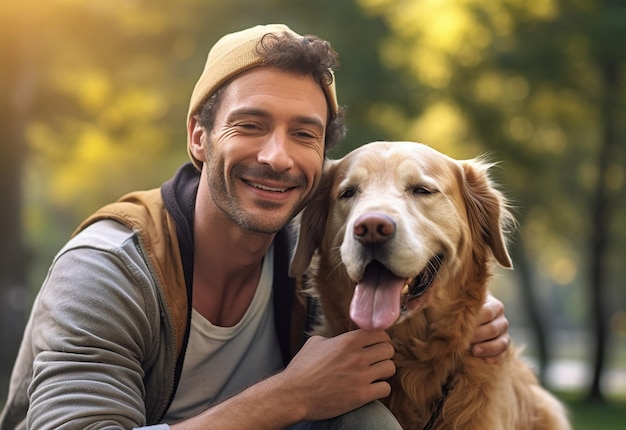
column 415, row 287
column 380, row 296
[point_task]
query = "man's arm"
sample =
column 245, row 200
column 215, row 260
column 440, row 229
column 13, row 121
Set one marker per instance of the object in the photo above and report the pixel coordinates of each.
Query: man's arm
column 332, row 376
column 89, row 336
column 328, row 377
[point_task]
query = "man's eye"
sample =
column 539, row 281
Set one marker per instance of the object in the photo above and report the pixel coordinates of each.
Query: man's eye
column 305, row 135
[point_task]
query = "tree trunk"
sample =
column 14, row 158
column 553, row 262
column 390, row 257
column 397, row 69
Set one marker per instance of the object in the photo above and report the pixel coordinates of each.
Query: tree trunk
column 531, row 305
column 15, row 100
column 600, row 221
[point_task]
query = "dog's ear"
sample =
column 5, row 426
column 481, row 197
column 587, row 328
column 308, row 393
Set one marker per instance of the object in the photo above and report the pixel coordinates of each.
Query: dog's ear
column 487, row 210
column 313, row 222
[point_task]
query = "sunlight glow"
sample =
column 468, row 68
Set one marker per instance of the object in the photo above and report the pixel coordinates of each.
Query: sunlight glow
column 563, row 270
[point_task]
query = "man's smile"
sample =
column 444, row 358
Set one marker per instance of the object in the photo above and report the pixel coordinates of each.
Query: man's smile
column 267, row 187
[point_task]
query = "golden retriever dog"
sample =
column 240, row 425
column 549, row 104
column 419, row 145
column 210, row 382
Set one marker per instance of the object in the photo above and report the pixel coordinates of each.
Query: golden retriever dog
column 404, row 238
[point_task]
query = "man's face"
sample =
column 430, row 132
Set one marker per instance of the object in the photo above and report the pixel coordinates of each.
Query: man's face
column 265, row 152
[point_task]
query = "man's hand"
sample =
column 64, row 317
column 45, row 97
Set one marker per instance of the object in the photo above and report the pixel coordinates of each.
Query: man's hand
column 328, row 377
column 332, row 376
column 491, row 338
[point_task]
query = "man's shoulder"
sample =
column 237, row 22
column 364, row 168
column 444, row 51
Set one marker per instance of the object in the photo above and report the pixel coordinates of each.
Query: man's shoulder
column 135, row 210
column 106, row 234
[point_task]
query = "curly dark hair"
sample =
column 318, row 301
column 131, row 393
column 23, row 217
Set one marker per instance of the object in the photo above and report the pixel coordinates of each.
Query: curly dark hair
column 307, row 55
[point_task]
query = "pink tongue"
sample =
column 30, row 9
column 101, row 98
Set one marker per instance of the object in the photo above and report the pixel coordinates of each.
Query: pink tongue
column 376, row 300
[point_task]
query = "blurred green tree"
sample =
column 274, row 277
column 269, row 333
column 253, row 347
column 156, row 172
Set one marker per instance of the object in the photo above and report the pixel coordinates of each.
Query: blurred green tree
column 16, row 87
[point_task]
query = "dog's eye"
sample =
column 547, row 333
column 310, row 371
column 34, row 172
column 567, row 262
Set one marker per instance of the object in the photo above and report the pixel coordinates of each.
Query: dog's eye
column 423, row 190
column 347, row 193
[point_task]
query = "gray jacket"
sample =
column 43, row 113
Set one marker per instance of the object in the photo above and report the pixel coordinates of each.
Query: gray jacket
column 104, row 344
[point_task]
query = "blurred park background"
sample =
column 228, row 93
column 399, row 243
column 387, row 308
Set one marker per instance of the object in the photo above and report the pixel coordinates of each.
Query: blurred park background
column 93, row 99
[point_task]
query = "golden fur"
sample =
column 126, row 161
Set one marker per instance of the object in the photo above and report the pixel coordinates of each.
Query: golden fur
column 431, row 205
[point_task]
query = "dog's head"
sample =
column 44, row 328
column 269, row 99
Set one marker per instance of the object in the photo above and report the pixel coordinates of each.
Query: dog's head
column 401, row 219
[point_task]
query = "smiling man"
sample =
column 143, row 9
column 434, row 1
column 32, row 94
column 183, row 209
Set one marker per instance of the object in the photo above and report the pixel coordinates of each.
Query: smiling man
column 173, row 308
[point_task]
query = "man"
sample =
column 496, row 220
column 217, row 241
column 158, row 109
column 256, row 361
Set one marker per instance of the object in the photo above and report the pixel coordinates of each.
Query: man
column 173, row 307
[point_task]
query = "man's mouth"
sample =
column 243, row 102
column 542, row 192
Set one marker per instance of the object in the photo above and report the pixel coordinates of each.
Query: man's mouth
column 267, row 187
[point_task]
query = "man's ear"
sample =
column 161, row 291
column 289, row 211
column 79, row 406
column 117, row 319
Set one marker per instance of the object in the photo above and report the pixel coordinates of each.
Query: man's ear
column 194, row 139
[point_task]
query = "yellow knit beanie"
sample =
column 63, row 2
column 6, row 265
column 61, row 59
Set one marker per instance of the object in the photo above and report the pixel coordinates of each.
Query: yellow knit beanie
column 233, row 54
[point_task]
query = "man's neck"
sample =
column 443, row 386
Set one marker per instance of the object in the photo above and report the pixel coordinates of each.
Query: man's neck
column 227, row 265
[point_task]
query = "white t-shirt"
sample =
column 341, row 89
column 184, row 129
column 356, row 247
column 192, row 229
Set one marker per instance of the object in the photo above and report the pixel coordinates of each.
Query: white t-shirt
column 222, row 361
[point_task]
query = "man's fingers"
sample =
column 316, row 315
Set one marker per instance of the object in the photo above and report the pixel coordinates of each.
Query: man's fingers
column 380, row 351
column 491, row 330
column 493, row 349
column 381, row 389
column 382, row 370
column 491, row 309
column 369, row 337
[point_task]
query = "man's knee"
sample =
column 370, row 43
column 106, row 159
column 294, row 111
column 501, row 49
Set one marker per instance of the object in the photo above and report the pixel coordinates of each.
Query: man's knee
column 372, row 416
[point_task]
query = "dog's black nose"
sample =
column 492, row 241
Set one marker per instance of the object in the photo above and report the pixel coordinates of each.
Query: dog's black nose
column 372, row 228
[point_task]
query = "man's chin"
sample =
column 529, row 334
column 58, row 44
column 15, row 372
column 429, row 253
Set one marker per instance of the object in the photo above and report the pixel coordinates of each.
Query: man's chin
column 265, row 217
column 264, row 224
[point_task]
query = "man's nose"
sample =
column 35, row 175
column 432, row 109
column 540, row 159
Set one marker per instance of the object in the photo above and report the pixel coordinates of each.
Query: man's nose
column 275, row 152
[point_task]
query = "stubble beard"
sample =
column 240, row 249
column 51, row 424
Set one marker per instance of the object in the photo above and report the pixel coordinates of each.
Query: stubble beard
column 227, row 202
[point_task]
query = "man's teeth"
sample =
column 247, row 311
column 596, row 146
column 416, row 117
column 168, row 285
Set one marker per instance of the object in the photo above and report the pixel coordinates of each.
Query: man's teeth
column 266, row 188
